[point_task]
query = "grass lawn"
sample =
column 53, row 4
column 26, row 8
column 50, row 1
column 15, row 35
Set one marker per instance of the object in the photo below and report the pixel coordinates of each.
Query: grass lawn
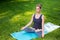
column 16, row 14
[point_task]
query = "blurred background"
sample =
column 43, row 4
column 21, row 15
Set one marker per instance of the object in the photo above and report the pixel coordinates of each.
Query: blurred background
column 15, row 14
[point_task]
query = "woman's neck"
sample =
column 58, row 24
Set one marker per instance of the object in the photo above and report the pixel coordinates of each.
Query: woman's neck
column 38, row 13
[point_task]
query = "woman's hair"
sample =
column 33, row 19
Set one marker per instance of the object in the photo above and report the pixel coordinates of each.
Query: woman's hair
column 38, row 5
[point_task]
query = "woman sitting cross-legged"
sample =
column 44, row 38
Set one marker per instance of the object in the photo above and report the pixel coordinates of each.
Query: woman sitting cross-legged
column 38, row 20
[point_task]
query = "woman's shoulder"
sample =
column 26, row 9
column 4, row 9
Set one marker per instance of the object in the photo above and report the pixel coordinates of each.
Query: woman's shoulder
column 42, row 16
column 33, row 14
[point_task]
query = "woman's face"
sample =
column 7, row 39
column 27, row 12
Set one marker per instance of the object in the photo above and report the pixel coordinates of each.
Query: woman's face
column 38, row 9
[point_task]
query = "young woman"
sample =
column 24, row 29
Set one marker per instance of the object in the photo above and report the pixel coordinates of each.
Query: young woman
column 38, row 20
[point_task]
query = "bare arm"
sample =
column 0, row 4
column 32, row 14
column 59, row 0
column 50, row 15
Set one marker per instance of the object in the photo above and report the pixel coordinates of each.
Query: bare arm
column 29, row 22
column 42, row 26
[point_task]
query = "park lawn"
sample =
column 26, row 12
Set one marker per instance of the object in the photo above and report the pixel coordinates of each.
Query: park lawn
column 16, row 14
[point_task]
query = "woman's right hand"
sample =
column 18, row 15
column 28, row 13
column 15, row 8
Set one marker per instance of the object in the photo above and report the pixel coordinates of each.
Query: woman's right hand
column 23, row 28
column 32, row 28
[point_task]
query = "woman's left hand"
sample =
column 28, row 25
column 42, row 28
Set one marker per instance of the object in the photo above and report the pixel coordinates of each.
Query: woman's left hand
column 42, row 36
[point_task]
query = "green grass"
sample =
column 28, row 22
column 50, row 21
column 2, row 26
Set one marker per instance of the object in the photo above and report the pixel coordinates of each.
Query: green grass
column 16, row 14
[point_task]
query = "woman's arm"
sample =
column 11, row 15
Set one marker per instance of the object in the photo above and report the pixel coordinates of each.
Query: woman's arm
column 29, row 22
column 43, row 26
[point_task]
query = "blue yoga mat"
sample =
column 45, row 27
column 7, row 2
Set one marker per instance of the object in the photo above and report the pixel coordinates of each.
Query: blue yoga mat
column 23, row 35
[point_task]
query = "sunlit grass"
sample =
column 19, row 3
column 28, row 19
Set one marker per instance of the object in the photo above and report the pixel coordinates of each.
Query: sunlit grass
column 29, row 13
column 15, row 18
